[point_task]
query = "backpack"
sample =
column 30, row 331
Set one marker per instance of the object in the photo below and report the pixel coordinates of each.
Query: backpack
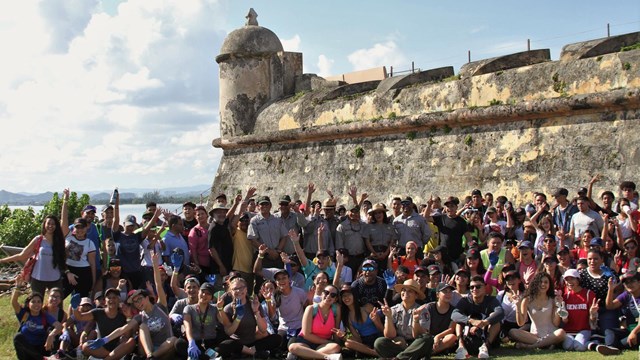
column 25, row 316
column 334, row 308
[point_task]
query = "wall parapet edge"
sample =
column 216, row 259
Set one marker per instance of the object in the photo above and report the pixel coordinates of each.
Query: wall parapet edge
column 614, row 100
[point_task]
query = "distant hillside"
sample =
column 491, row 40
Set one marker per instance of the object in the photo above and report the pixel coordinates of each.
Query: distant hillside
column 101, row 197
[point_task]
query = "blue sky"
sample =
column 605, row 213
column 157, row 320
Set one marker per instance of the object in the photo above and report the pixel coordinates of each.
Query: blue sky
column 96, row 94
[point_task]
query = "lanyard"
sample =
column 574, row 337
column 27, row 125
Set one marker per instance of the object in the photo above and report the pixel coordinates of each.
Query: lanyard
column 202, row 318
column 637, row 308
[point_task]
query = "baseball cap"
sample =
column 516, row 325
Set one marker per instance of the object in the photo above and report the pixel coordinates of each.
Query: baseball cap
column 438, row 249
column 86, row 301
column 596, row 241
column 109, row 291
column 571, row 273
column 525, row 244
column 280, row 271
column 476, row 192
column 434, row 269
column 452, row 200
column 263, row 200
column 582, row 190
column 98, row 295
column 492, row 209
column 285, row 199
column 106, row 207
column 323, row 253
column 130, row 220
column 406, row 200
column 89, row 208
column 370, row 262
column 473, row 254
column 189, row 204
column 208, row 288
column 441, row 286
column 420, row 268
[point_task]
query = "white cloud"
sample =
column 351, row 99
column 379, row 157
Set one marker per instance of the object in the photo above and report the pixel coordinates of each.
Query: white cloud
column 324, row 65
column 380, row 54
column 292, row 44
column 126, row 94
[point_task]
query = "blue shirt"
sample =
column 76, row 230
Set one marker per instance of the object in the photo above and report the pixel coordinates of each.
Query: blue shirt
column 173, row 241
column 33, row 329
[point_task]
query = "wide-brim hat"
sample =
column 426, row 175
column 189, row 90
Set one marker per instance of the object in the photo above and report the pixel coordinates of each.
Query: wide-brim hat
column 377, row 207
column 411, row 285
column 218, row 206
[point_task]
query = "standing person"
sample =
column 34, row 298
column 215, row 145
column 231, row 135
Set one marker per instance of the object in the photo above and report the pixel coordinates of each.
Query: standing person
column 174, row 240
column 50, row 268
column 319, row 335
column 189, row 220
column 478, row 318
column 411, row 226
column 563, row 211
column 89, row 214
column 404, row 335
column 538, row 305
column 289, row 218
column 198, row 239
column 247, row 331
column 452, row 229
column 267, row 229
column 33, row 340
column 380, row 236
column 585, row 219
column 350, row 235
column 129, row 251
column 81, row 260
column 582, row 315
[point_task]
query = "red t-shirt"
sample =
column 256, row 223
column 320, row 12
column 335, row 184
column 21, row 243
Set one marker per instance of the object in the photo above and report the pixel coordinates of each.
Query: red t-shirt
column 410, row 264
column 578, row 305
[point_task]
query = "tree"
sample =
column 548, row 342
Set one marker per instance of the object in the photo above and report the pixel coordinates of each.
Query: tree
column 19, row 226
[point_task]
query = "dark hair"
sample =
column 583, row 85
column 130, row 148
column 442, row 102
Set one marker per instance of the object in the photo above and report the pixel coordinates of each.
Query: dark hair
column 151, row 203
column 534, row 286
column 582, row 198
column 495, row 234
column 344, row 310
column 59, row 258
column 477, row 278
column 502, row 199
column 30, row 297
column 173, row 220
column 627, row 185
column 540, row 194
column 480, row 269
column 596, row 251
column 607, row 193
column 385, row 219
column 397, row 198
column 59, row 291
column 556, row 277
column 503, row 281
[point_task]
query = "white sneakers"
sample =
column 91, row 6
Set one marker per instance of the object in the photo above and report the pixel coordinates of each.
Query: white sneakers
column 483, row 352
column 461, row 353
column 334, row 357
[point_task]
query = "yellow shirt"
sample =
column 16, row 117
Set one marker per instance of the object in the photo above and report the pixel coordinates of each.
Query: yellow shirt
column 242, row 252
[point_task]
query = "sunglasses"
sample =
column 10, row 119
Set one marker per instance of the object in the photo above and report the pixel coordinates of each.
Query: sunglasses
column 368, row 268
column 115, row 268
column 475, row 287
column 629, row 247
column 330, row 294
column 549, row 240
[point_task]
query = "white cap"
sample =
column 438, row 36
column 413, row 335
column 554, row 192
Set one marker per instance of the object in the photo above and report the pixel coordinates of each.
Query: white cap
column 571, row 273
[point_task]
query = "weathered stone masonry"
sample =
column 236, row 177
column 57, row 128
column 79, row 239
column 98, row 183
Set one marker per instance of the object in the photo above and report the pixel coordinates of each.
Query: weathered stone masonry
column 511, row 125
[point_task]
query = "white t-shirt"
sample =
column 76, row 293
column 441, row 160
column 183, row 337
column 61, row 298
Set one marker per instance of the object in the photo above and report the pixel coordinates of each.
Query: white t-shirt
column 77, row 251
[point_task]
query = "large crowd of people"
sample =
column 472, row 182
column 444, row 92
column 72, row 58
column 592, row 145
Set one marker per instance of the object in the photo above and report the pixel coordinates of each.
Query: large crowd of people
column 314, row 279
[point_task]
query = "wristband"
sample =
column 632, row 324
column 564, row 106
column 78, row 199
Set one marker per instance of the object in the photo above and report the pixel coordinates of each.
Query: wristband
column 261, row 256
column 220, row 309
column 237, row 320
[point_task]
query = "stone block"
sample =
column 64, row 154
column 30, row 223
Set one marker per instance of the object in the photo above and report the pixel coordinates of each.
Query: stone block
column 313, row 82
column 350, row 89
column 505, row 62
column 597, row 47
column 397, row 82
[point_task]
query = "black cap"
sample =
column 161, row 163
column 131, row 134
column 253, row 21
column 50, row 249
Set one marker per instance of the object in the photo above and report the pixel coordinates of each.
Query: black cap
column 441, row 286
column 439, row 248
column 476, row 192
column 355, row 208
column 452, row 200
column 263, row 200
column 582, row 191
column 407, row 200
column 189, row 204
column 285, row 199
column 280, row 271
column 473, row 254
column 433, row 269
column 324, row 253
column 208, row 287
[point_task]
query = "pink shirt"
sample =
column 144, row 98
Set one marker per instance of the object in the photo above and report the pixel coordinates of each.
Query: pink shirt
column 321, row 328
column 199, row 244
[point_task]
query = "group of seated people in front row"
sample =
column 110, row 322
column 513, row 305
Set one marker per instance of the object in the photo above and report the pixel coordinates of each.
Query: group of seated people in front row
column 543, row 291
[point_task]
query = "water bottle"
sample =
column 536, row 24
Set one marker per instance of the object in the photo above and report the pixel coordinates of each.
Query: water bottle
column 562, row 310
column 212, row 354
column 114, row 195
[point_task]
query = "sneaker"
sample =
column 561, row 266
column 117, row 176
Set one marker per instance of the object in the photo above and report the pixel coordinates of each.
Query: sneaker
column 607, row 350
column 461, row 353
column 334, row 356
column 483, row 352
column 290, row 356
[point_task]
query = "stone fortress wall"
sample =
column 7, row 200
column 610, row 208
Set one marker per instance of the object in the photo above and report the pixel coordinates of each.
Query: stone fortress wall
column 511, row 125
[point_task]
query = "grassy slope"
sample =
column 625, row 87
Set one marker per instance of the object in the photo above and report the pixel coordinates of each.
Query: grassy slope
column 9, row 324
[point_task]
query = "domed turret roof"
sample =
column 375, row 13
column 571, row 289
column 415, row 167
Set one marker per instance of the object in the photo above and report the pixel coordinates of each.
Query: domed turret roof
column 250, row 39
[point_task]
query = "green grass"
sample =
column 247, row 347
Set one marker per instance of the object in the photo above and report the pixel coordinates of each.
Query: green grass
column 9, row 325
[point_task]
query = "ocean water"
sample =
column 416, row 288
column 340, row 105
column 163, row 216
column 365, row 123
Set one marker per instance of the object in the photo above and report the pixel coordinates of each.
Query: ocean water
column 125, row 209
